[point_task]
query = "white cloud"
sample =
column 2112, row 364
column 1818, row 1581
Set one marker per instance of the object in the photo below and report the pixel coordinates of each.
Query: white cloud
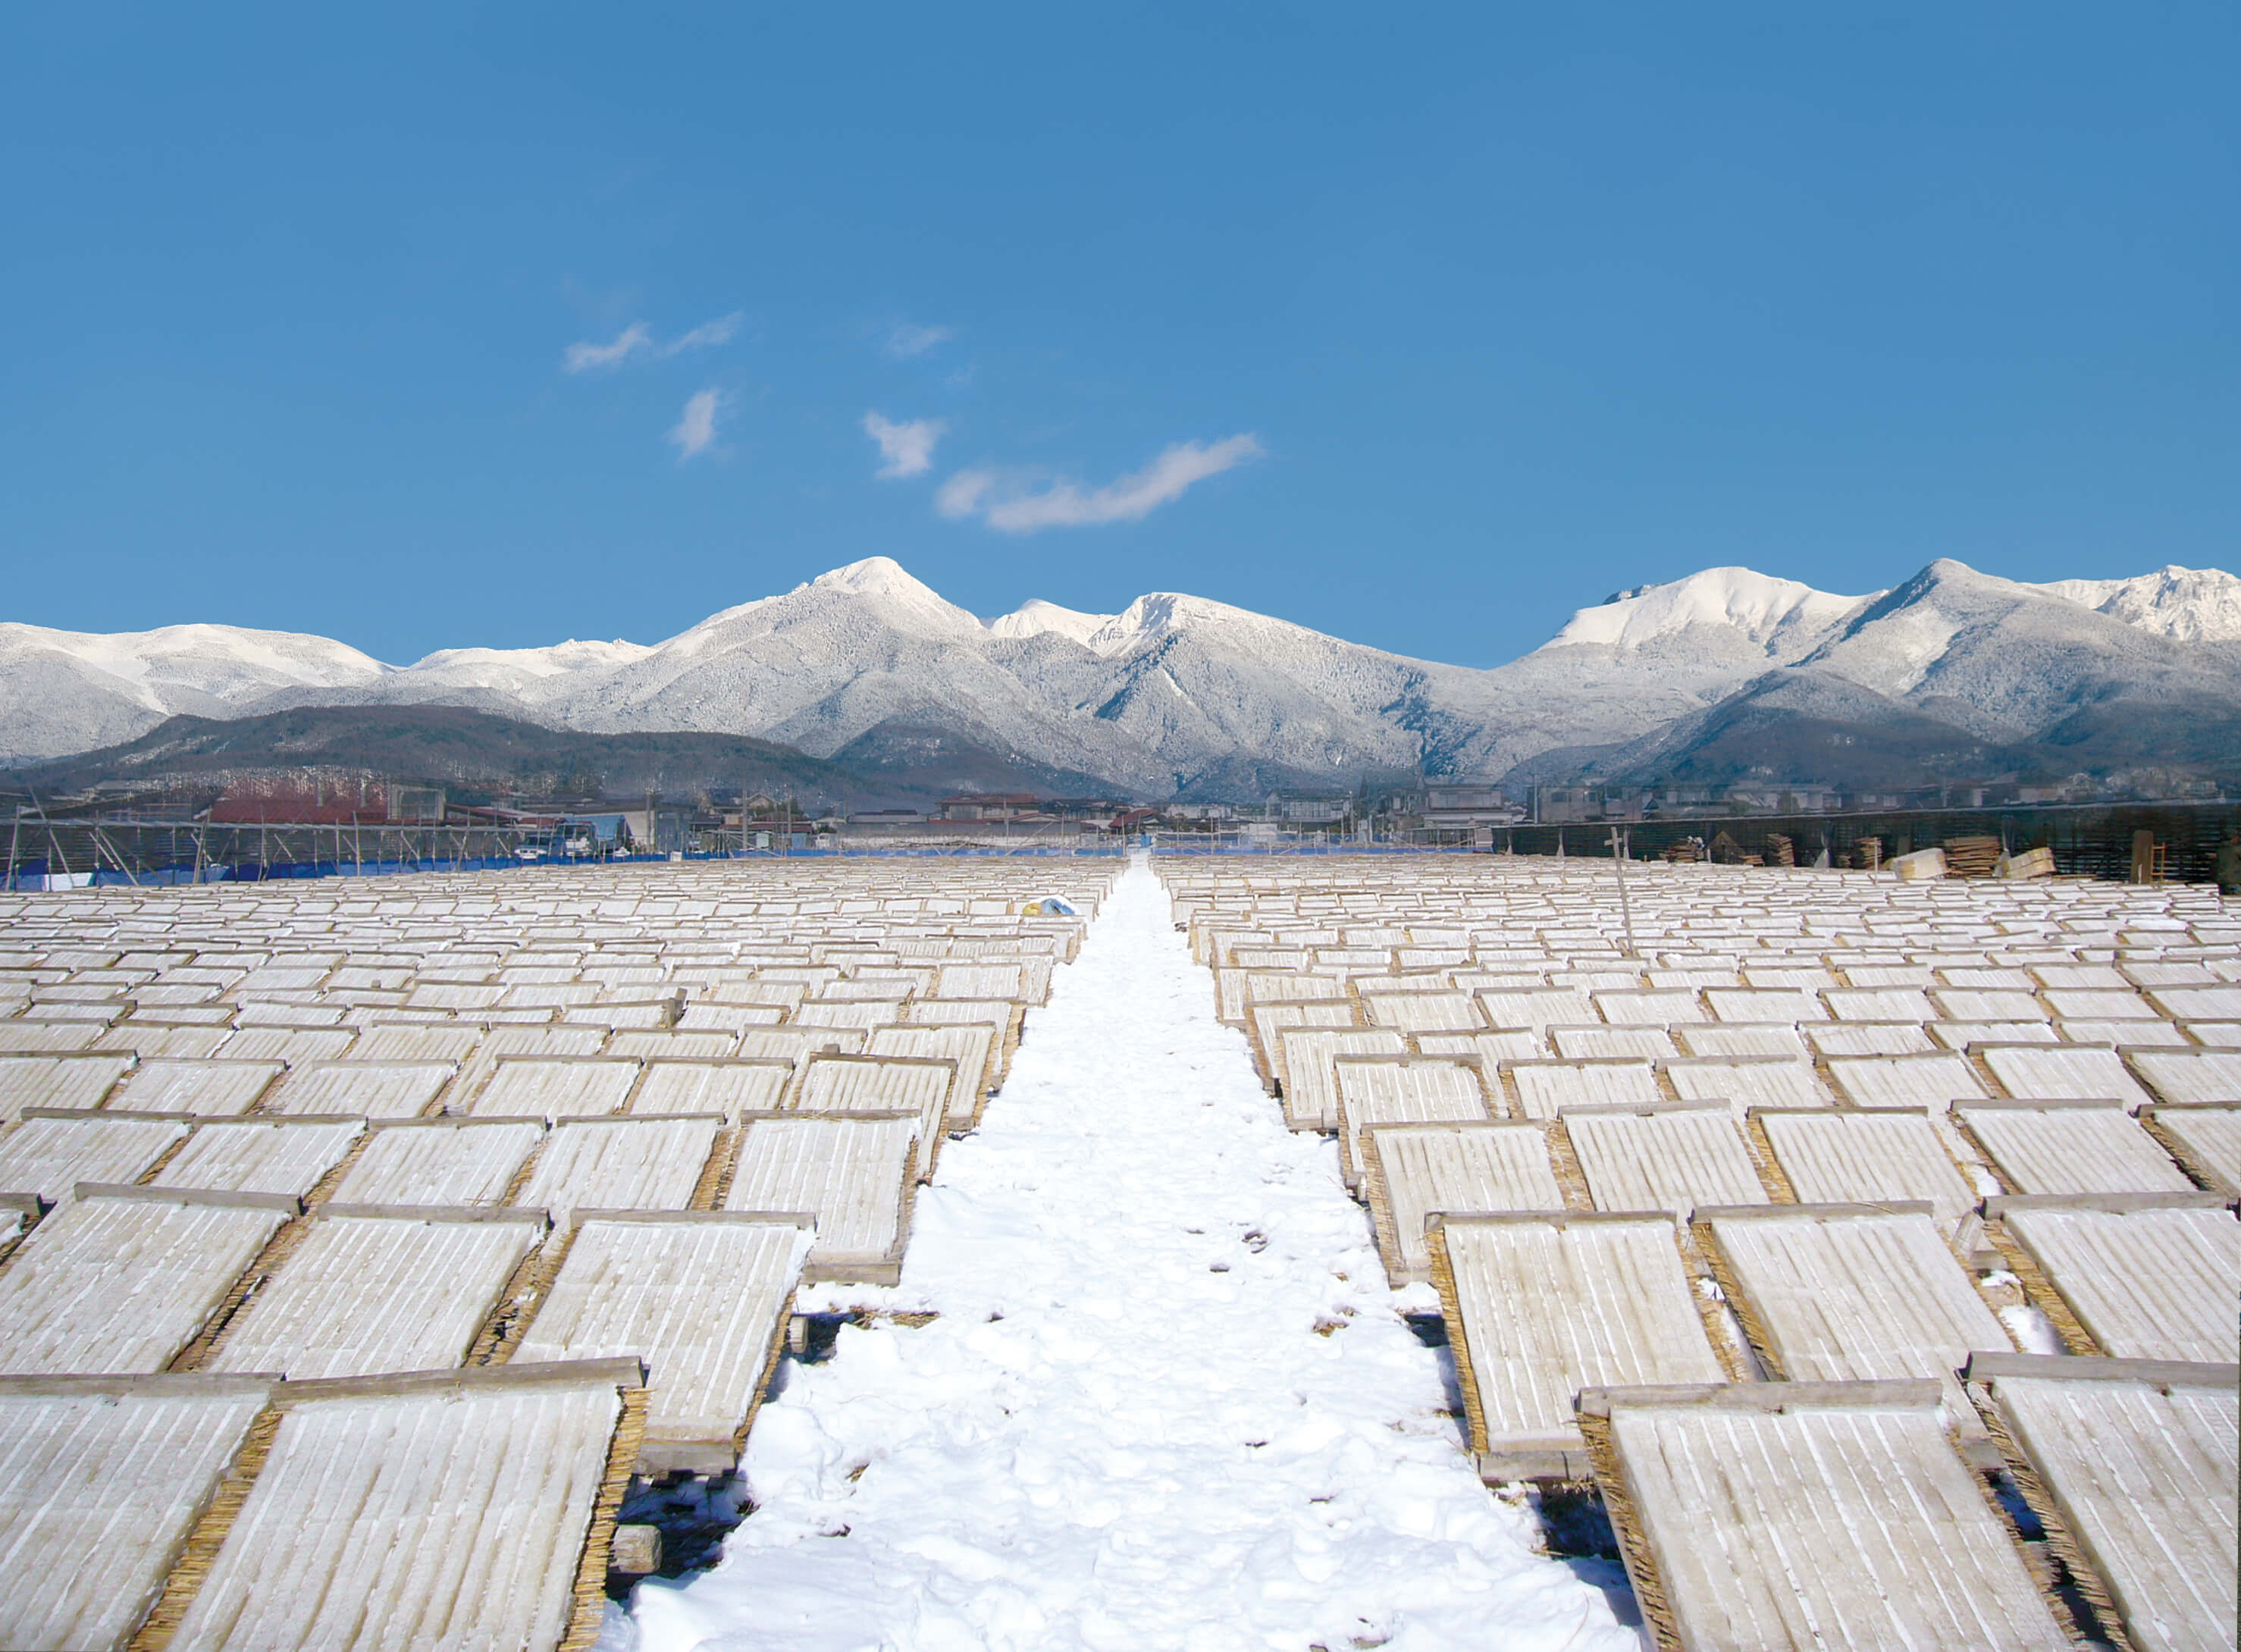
column 695, row 430
column 631, row 341
column 637, row 340
column 961, row 494
column 906, row 340
column 907, row 447
column 1010, row 507
column 718, row 331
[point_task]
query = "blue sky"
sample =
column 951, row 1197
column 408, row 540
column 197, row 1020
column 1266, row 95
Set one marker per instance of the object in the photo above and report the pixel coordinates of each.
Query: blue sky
column 1419, row 325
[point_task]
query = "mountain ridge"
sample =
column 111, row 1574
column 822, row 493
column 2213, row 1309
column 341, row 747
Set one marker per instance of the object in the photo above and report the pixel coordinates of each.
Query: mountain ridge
column 525, row 762
column 1182, row 695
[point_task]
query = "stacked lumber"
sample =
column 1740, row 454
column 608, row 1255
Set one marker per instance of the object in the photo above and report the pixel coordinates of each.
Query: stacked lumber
column 1972, row 857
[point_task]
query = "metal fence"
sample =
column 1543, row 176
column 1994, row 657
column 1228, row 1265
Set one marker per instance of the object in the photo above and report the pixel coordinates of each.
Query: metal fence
column 43, row 852
column 2088, row 840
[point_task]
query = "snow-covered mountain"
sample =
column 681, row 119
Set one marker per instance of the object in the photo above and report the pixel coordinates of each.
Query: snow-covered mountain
column 524, row 673
column 70, row 691
column 2008, row 661
column 1180, row 693
column 2193, row 605
column 1721, row 609
column 1953, row 673
column 1151, row 698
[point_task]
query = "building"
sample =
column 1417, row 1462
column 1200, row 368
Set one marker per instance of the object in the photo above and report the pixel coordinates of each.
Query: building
column 1785, row 798
column 1553, row 804
column 1466, row 806
column 991, row 806
column 416, row 803
column 1098, row 809
column 309, row 799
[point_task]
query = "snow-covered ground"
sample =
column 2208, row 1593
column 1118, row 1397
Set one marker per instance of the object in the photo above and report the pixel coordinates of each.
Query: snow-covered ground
column 1169, row 1402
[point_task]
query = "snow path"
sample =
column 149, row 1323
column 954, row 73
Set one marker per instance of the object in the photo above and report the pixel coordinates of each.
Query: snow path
column 1169, row 1402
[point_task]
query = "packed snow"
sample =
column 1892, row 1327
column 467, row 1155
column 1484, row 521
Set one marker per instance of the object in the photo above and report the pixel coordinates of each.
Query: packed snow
column 1168, row 1402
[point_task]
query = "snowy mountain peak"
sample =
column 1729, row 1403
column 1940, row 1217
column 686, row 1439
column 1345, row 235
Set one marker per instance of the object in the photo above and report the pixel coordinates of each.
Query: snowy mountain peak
column 1150, row 615
column 2188, row 604
column 569, row 656
column 1780, row 615
column 198, row 656
column 1034, row 618
column 68, row 691
column 884, row 587
column 873, row 577
column 1164, row 613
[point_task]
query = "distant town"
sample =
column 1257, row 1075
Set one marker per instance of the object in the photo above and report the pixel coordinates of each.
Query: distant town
column 266, row 823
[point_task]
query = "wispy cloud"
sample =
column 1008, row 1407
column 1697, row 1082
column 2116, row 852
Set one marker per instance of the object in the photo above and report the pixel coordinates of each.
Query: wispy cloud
column 721, row 330
column 906, row 340
column 695, row 430
column 636, row 341
column 1011, row 506
column 907, row 447
column 632, row 340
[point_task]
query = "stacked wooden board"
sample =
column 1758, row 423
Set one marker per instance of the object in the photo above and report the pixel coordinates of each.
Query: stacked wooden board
column 1768, row 1161
column 364, row 1241
column 1721, row 1188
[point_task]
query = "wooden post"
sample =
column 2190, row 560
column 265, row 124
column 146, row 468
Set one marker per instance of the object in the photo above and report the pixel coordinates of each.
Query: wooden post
column 100, row 842
column 1625, row 911
column 54, row 855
